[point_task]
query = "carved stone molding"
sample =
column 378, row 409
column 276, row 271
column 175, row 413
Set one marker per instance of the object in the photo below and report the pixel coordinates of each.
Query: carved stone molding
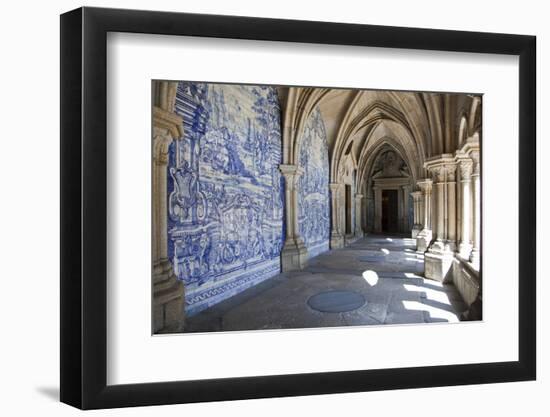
column 164, row 94
column 167, row 120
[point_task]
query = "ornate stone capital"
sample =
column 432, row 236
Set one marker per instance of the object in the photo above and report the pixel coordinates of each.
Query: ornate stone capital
column 170, row 121
column 476, row 163
column 425, row 185
column 161, row 142
column 466, row 169
column 416, row 195
column 450, row 172
column 442, row 167
column 291, row 174
column 335, row 187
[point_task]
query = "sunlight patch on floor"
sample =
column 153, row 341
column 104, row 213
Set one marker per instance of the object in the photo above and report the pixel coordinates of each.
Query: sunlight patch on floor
column 371, row 277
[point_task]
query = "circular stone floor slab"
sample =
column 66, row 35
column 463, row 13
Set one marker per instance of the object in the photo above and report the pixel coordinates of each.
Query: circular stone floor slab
column 336, row 301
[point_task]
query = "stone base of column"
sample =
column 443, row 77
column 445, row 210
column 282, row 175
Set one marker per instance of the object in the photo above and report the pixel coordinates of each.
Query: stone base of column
column 417, row 228
column 475, row 258
column 474, row 312
column 349, row 239
column 359, row 233
column 438, row 262
column 464, row 250
column 168, row 302
column 294, row 255
column 336, row 241
column 423, row 240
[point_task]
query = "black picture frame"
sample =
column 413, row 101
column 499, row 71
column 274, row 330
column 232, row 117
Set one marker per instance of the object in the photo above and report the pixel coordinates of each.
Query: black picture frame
column 84, row 207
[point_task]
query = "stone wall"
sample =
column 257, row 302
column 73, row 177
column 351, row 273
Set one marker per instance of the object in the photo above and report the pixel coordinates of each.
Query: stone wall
column 313, row 198
column 225, row 199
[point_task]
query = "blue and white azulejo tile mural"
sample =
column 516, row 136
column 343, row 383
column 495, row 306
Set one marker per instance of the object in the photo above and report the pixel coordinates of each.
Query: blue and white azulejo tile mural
column 225, row 203
column 313, row 201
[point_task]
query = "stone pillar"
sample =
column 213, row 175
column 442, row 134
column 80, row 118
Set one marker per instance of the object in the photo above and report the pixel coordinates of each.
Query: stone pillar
column 377, row 210
column 417, row 221
column 450, row 208
column 424, row 238
column 405, row 192
column 336, row 236
column 440, row 188
column 168, row 291
column 465, row 246
column 439, row 258
column 358, row 215
column 294, row 253
column 476, row 197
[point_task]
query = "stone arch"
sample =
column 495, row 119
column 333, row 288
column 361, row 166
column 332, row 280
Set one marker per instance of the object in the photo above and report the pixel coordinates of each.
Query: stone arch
column 374, row 184
column 474, row 120
column 404, row 146
column 300, row 104
column 371, row 157
column 463, row 130
column 313, row 185
column 372, row 114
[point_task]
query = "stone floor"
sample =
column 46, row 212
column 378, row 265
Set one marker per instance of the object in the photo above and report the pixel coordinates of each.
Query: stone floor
column 385, row 270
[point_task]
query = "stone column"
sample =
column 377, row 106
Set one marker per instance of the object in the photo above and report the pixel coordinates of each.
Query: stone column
column 424, row 238
column 440, row 188
column 336, row 236
column 377, row 209
column 294, row 253
column 358, row 215
column 438, row 260
column 465, row 246
column 476, row 197
column 417, row 226
column 405, row 192
column 450, row 209
column 168, row 291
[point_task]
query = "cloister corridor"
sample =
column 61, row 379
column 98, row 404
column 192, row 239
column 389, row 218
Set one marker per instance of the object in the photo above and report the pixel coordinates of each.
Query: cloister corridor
column 385, row 270
column 278, row 207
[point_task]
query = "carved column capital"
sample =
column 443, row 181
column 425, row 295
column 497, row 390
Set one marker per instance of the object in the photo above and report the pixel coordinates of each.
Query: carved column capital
column 476, row 163
column 291, row 174
column 450, row 172
column 466, row 169
column 161, row 142
column 416, row 195
column 335, row 187
column 172, row 122
column 425, row 185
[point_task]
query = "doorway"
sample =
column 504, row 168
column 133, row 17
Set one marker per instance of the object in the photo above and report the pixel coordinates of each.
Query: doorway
column 389, row 211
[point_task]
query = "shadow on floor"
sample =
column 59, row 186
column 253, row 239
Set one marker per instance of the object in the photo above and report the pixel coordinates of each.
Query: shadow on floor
column 385, row 270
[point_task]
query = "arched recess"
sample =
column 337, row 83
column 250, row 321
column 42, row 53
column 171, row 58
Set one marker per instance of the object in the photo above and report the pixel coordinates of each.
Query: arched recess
column 463, row 130
column 300, row 103
column 313, row 185
column 359, row 119
column 474, row 120
column 225, row 200
column 388, row 171
column 400, row 139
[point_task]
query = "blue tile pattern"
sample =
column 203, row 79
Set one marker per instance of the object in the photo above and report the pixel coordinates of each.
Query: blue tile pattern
column 225, row 203
column 313, row 199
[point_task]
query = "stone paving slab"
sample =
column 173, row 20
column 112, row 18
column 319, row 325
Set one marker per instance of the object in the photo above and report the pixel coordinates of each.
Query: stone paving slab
column 395, row 292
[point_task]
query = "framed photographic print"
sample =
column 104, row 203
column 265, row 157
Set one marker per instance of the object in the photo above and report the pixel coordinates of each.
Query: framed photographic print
column 258, row 207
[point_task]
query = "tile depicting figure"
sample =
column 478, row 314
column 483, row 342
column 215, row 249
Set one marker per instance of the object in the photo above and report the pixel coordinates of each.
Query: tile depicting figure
column 225, row 191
